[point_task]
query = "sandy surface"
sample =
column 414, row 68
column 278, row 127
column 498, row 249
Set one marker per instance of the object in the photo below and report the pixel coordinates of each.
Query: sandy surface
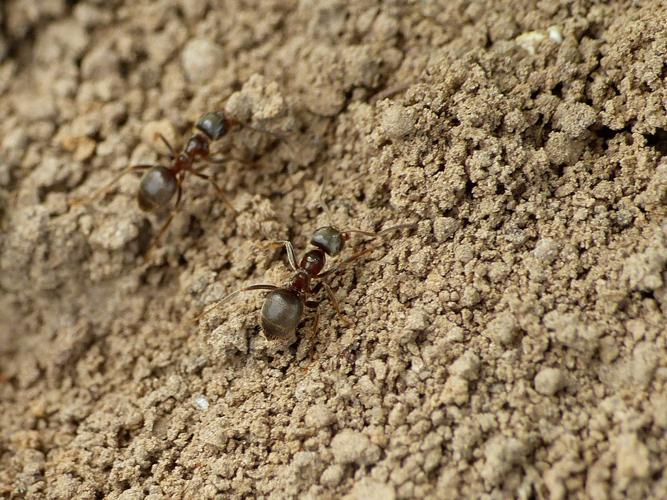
column 512, row 344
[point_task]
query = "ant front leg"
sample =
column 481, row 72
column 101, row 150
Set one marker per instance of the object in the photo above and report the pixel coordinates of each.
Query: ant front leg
column 221, row 193
column 291, row 255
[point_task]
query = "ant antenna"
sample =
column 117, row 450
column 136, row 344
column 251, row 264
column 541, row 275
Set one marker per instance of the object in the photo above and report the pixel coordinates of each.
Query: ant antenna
column 322, row 202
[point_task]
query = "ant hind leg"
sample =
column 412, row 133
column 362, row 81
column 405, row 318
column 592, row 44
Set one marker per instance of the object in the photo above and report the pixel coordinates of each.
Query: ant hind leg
column 221, row 193
column 75, row 202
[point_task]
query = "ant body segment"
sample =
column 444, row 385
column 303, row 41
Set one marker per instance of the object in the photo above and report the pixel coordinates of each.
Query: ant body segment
column 160, row 183
column 284, row 307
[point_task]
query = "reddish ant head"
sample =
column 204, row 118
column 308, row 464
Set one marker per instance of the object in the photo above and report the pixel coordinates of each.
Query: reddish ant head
column 281, row 313
column 328, row 239
column 157, row 187
column 214, row 125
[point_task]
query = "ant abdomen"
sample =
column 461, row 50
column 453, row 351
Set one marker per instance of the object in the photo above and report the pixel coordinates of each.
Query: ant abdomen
column 157, row 188
column 281, row 313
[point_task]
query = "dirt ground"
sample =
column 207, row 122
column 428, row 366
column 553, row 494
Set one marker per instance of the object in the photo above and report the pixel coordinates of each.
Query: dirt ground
column 511, row 344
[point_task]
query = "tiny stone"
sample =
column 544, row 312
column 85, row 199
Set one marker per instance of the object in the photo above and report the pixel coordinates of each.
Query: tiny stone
column 332, row 475
column 444, row 228
column 464, row 253
column 466, row 366
column 397, row 121
column 455, row 391
column 349, row 446
column 502, row 329
column 546, row 250
column 561, row 149
column 471, row 297
column 555, row 34
column 201, row 58
column 528, row 41
column 417, row 320
column 319, row 416
column 549, row 381
column 201, row 402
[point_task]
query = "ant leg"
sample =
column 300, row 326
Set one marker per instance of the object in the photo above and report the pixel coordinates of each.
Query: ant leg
column 172, row 154
column 333, row 299
column 350, row 259
column 311, row 304
column 291, row 255
column 227, row 297
column 306, row 345
column 379, row 234
column 336, row 304
column 368, row 249
column 222, row 194
column 104, row 189
column 281, row 136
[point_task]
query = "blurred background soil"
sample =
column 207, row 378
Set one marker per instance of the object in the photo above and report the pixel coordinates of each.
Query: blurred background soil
column 512, row 344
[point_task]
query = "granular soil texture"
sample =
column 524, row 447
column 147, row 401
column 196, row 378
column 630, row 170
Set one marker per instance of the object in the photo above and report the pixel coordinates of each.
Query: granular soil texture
column 511, row 344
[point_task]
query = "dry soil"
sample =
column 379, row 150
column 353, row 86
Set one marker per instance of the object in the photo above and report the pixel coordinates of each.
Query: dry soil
column 511, row 344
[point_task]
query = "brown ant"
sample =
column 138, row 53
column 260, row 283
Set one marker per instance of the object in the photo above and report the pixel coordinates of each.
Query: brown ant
column 160, row 183
column 284, row 307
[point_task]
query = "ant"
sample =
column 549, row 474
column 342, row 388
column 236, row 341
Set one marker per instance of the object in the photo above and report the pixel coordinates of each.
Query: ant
column 160, row 183
column 284, row 307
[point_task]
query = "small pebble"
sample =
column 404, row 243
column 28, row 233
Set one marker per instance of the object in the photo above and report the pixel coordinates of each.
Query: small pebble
column 466, row 366
column 555, row 34
column 201, row 58
column 319, row 416
column 546, row 250
column 349, row 446
column 397, row 121
column 332, row 475
column 201, row 402
column 549, row 381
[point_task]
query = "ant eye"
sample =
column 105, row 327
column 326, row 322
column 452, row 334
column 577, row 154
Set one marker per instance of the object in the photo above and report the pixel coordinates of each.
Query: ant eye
column 214, row 125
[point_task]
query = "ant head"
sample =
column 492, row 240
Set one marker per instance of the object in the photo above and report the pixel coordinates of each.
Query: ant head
column 157, row 187
column 213, row 124
column 329, row 239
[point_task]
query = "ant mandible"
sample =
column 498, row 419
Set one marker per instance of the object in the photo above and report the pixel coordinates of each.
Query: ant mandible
column 284, row 307
column 160, row 183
